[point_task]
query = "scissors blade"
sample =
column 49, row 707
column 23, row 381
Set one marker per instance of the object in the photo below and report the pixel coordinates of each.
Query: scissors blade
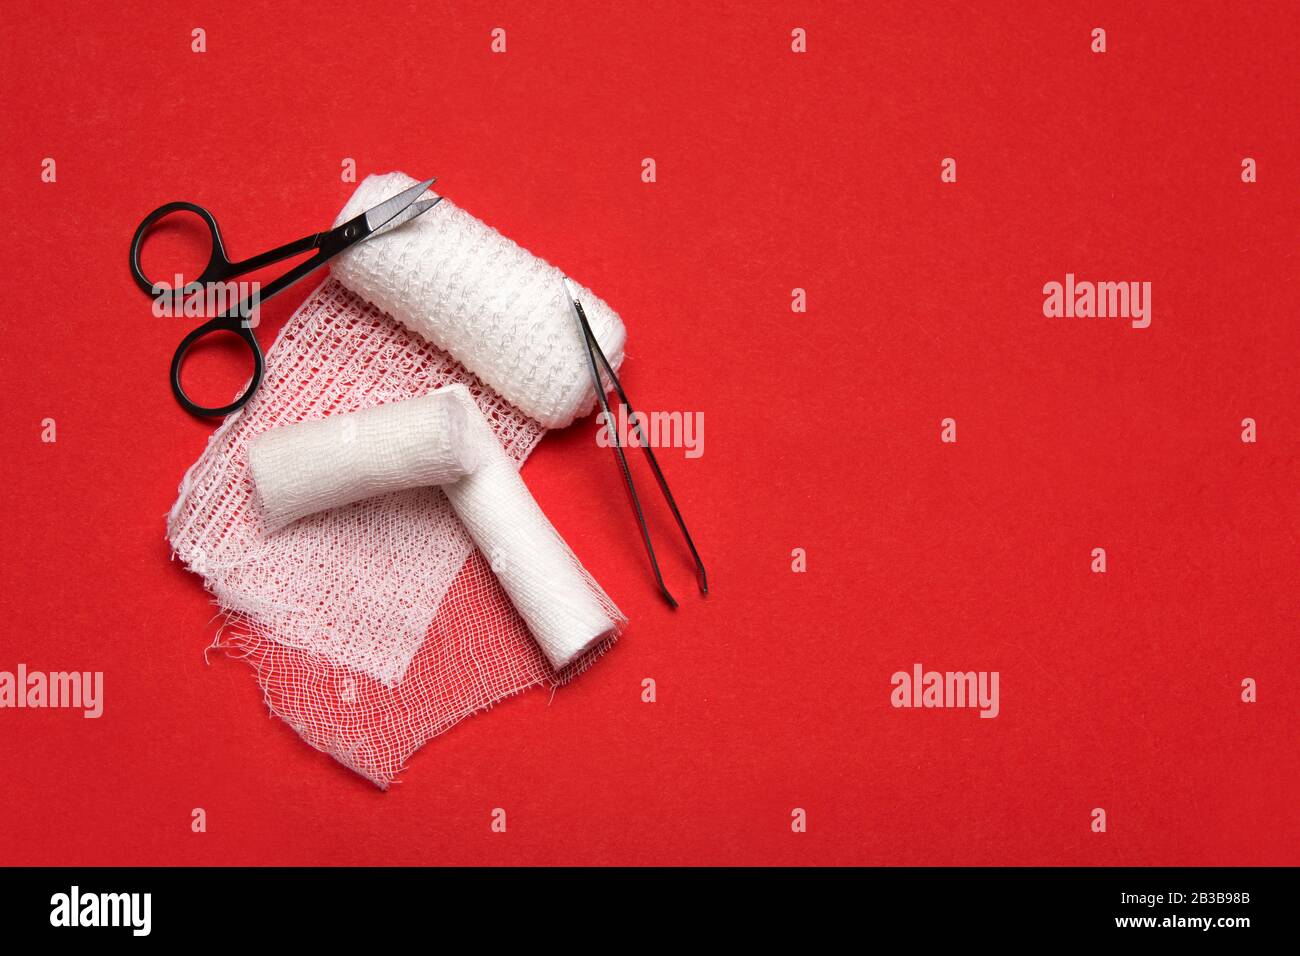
column 390, row 208
column 422, row 207
column 406, row 215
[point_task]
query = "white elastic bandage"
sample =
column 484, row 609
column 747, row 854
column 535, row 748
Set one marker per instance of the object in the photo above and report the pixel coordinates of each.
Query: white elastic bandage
column 499, row 310
column 318, row 465
column 546, row 583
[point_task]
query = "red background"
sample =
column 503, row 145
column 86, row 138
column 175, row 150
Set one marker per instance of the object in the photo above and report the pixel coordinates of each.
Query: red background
column 775, row 171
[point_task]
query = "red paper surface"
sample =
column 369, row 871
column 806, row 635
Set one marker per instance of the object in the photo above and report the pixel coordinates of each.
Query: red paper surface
column 775, row 170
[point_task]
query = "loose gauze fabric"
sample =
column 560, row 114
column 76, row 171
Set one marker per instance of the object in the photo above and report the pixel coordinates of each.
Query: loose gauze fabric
column 494, row 307
column 315, row 466
column 357, row 585
column 326, row 610
column 439, row 439
column 376, row 625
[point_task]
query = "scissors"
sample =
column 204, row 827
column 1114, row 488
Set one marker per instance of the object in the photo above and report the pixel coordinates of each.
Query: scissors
column 220, row 269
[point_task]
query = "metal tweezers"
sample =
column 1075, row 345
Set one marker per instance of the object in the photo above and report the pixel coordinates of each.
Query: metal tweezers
column 594, row 352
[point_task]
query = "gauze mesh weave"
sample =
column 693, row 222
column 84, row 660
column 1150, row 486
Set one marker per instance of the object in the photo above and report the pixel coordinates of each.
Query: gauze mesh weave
column 370, row 626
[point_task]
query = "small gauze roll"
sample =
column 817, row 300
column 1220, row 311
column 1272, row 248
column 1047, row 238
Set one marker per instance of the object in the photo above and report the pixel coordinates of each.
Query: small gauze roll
column 497, row 309
column 314, row 466
column 547, row 585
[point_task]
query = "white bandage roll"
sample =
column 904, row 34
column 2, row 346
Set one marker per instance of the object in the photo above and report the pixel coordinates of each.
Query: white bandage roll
column 546, row 584
column 314, row 466
column 497, row 309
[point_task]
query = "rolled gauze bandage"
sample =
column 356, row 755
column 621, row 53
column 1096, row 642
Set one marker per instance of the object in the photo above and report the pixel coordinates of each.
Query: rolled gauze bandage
column 313, row 466
column 493, row 306
column 546, row 584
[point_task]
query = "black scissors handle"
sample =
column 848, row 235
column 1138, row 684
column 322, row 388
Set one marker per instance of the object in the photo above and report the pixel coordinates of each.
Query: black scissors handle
column 215, row 259
column 407, row 204
column 219, row 324
column 221, row 269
